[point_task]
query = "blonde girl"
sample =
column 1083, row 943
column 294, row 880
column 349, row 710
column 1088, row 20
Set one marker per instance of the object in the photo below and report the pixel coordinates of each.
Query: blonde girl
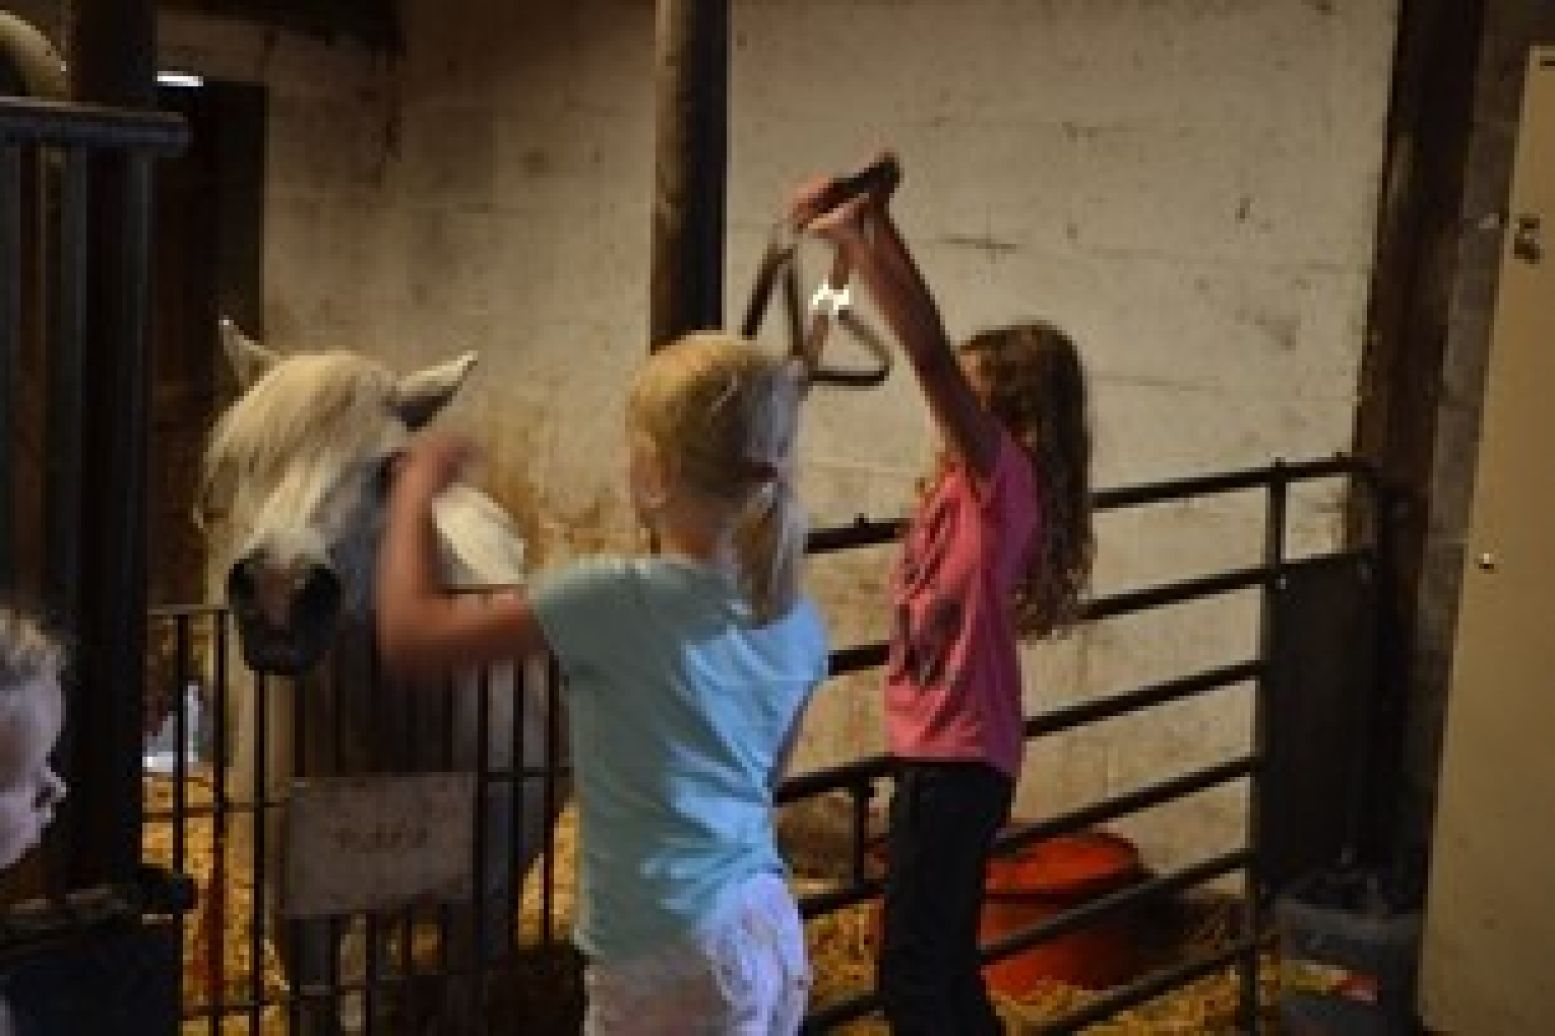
column 687, row 672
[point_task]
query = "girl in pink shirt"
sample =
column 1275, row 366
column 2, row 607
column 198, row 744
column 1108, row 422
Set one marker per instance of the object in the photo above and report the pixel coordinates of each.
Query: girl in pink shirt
column 999, row 548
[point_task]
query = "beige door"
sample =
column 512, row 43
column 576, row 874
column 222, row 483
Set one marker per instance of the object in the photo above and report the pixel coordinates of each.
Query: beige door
column 1489, row 967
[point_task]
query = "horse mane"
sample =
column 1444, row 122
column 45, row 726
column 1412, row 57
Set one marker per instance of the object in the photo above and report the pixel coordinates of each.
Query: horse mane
column 481, row 545
column 325, row 409
column 308, row 405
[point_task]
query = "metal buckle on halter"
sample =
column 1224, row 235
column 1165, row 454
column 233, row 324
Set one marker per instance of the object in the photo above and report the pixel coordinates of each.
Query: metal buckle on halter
column 829, row 305
column 830, row 302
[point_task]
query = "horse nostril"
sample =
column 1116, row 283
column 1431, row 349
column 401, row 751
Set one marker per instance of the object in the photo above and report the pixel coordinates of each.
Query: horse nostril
column 320, row 594
column 241, row 585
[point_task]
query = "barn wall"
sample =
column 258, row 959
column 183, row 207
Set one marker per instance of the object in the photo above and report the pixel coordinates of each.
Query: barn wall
column 470, row 194
column 1188, row 185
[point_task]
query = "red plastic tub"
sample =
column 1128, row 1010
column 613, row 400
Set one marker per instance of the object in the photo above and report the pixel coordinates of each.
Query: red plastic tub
column 1044, row 879
column 1041, row 880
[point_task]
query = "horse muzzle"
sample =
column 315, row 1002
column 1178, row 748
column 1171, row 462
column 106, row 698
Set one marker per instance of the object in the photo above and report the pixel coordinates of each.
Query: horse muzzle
column 285, row 618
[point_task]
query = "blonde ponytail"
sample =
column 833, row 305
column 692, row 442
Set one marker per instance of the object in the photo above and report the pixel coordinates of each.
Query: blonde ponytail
column 724, row 415
column 771, row 541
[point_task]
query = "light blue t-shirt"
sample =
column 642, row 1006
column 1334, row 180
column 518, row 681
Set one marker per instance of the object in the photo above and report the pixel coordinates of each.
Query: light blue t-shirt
column 678, row 707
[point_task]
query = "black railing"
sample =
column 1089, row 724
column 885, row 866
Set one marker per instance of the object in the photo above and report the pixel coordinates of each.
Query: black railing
column 407, row 950
column 858, row 778
column 428, row 718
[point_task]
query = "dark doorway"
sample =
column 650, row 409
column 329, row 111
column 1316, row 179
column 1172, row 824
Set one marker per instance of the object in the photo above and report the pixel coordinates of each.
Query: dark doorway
column 209, row 223
column 208, row 255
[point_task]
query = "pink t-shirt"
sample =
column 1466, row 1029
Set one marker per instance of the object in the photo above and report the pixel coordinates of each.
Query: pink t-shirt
column 953, row 688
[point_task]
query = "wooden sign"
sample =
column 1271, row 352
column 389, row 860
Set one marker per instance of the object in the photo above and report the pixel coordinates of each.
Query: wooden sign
column 376, row 842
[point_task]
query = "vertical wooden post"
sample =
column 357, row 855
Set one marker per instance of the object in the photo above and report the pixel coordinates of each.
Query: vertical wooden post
column 690, row 167
column 30, row 66
column 112, row 62
column 12, row 292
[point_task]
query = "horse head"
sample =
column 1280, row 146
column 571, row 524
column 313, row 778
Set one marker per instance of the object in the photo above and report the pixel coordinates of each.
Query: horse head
column 296, row 476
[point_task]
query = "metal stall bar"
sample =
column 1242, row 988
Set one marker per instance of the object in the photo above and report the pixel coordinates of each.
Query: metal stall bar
column 550, row 798
column 297, row 930
column 259, row 901
column 1141, row 798
column 65, row 378
column 71, row 124
column 410, row 697
column 1167, row 490
column 482, row 896
column 1148, row 988
column 517, row 779
column 1274, row 559
column 863, row 532
column 1083, row 713
column 10, row 345
column 1135, row 895
column 216, row 946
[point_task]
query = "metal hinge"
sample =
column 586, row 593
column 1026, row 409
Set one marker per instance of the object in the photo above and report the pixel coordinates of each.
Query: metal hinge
column 1528, row 240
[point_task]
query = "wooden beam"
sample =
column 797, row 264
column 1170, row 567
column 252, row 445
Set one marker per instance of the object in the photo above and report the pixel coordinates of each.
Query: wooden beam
column 372, row 23
column 690, row 167
column 98, row 579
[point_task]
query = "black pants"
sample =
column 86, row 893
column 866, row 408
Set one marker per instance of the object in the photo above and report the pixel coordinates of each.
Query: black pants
column 944, row 817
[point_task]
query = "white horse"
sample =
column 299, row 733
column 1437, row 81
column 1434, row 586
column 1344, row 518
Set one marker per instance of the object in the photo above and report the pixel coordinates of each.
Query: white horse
column 296, row 473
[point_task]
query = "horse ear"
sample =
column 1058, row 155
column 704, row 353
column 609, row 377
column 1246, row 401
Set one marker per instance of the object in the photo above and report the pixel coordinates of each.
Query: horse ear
column 249, row 360
column 419, row 396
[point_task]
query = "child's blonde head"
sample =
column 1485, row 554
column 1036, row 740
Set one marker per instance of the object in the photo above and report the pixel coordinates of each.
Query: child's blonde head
column 27, row 653
column 722, row 415
column 31, row 715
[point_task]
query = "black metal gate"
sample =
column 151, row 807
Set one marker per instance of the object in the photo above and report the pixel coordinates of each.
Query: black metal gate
column 1269, row 579
column 433, row 963
column 103, row 917
column 235, row 973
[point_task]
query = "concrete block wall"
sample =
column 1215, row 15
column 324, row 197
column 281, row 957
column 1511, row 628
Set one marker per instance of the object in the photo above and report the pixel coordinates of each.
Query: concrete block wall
column 1187, row 185
column 1190, row 188
column 488, row 190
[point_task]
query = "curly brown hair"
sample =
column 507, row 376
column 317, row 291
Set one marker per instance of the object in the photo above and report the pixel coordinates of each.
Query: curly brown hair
column 1036, row 387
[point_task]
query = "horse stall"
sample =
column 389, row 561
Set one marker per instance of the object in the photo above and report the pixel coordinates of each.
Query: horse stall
column 1213, row 977
column 394, row 881
column 375, row 856
column 75, row 194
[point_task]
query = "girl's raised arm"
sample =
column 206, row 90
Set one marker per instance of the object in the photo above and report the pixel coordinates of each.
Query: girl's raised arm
column 862, row 227
column 421, row 627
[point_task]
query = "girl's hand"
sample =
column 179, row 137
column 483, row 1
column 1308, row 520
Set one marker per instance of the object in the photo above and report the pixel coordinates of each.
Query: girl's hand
column 434, row 460
column 808, row 208
column 845, row 226
column 845, row 223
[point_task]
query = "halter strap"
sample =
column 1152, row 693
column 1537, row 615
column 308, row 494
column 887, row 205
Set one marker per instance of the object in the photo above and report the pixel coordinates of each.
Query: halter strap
column 807, row 331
